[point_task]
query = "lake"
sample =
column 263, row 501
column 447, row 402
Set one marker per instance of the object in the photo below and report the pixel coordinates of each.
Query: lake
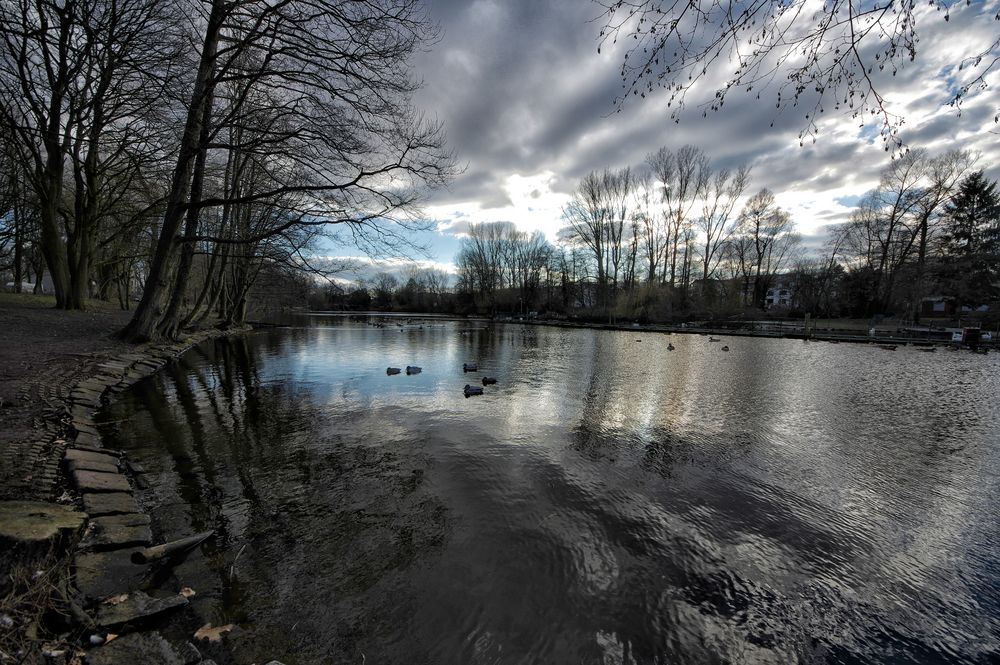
column 607, row 501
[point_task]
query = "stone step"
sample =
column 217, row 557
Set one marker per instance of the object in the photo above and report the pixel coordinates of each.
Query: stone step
column 100, row 456
column 112, row 503
column 99, row 575
column 91, row 465
column 95, row 481
column 136, row 608
column 88, row 439
column 117, row 531
column 98, row 449
column 148, row 648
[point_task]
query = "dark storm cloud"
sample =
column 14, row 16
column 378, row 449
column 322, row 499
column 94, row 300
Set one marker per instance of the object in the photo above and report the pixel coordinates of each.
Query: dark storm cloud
column 522, row 91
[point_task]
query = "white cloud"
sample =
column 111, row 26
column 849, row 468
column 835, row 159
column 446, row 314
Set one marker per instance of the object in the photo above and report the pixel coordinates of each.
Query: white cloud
column 532, row 205
column 528, row 105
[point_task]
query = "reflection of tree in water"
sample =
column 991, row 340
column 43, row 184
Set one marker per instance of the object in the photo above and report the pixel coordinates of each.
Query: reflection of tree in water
column 324, row 517
column 740, row 513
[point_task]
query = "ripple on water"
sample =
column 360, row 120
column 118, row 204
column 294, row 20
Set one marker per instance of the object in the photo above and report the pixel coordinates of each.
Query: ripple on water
column 606, row 501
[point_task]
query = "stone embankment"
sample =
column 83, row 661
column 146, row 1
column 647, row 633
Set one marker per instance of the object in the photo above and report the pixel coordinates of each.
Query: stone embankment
column 99, row 523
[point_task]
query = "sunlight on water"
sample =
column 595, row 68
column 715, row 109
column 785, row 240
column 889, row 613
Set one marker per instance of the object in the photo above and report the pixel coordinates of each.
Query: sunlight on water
column 607, row 501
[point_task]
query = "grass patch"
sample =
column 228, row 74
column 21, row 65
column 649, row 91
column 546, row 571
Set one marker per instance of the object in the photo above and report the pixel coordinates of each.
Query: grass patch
column 44, row 301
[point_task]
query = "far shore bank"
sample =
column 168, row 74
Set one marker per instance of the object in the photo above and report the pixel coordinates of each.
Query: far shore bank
column 821, row 330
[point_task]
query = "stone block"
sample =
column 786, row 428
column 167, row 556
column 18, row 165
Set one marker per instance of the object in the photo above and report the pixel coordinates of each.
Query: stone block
column 103, row 574
column 88, row 439
column 136, row 608
column 82, row 414
column 89, row 465
column 95, row 481
column 112, row 503
column 100, row 450
column 146, row 648
column 116, row 531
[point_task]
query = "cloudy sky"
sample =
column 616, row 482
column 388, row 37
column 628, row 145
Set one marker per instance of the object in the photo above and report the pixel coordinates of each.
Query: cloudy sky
column 528, row 106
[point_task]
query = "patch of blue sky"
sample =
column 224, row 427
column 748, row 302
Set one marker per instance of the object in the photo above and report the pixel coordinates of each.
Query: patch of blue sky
column 849, row 201
column 422, row 245
column 870, row 132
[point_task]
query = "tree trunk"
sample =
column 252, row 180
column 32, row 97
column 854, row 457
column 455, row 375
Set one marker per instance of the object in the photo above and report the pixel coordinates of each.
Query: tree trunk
column 49, row 173
column 170, row 325
column 918, row 290
column 18, row 248
column 54, row 247
column 148, row 314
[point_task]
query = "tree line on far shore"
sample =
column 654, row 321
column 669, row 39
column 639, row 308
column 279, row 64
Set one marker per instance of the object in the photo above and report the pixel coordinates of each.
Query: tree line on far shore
column 678, row 239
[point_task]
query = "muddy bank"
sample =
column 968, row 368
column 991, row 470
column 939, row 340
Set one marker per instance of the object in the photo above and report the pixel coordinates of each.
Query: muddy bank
column 43, row 354
column 70, row 524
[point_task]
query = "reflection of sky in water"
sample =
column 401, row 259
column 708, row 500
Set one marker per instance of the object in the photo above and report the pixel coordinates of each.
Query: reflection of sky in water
column 607, row 501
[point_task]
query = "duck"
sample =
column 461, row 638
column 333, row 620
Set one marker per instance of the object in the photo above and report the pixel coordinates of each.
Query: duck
column 714, row 339
column 670, row 347
column 725, row 348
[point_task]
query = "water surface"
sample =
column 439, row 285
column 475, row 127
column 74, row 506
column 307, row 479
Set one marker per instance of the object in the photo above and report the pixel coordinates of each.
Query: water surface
column 608, row 501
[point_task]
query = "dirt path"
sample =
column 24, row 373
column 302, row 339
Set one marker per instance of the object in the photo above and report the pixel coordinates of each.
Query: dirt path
column 43, row 353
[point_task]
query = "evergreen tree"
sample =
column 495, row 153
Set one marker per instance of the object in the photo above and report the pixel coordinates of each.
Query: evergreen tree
column 971, row 244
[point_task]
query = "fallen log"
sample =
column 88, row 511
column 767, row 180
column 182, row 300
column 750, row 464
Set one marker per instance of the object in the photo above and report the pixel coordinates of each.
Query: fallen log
column 173, row 548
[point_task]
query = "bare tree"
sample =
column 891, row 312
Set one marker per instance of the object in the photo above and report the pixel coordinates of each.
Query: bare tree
column 481, row 261
column 328, row 92
column 765, row 241
column 78, row 81
column 827, row 57
column 617, row 187
column 684, row 175
column 721, row 196
column 588, row 215
column 383, row 288
column 885, row 226
column 944, row 173
column 651, row 228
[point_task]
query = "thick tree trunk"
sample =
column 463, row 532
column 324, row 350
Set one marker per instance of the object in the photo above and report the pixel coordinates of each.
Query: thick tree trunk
column 199, row 302
column 53, row 246
column 149, row 313
column 79, row 279
column 37, row 263
column 49, row 172
column 170, row 325
column 217, row 287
